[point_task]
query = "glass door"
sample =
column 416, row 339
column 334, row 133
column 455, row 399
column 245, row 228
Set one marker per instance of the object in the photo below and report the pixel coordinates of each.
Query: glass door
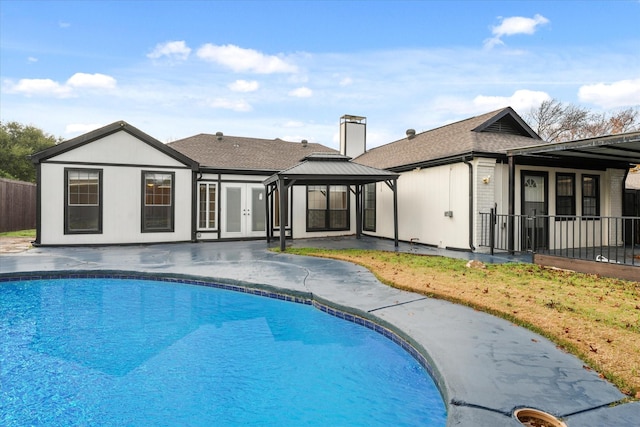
column 244, row 210
column 534, row 205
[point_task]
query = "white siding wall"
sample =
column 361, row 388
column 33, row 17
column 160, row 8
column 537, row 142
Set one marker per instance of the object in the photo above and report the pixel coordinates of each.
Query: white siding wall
column 423, row 198
column 121, row 207
column 122, row 159
column 485, row 182
column 118, row 148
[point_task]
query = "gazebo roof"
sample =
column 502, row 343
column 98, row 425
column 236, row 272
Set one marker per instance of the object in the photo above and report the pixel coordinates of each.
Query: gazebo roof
column 331, row 168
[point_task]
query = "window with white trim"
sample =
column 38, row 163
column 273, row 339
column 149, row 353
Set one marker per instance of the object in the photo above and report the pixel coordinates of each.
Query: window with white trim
column 207, row 206
column 590, row 195
column 83, row 201
column 157, row 201
column 565, row 194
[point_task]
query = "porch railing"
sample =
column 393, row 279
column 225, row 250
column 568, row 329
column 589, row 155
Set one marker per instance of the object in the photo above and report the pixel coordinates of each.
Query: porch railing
column 605, row 239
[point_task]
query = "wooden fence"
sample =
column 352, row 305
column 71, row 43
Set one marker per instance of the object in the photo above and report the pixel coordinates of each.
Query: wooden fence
column 17, row 205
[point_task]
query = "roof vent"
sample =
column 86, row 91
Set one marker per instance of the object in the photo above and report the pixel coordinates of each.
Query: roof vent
column 304, row 143
column 219, row 136
column 411, row 133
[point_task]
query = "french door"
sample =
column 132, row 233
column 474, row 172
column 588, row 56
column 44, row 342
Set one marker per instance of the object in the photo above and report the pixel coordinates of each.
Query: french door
column 243, row 210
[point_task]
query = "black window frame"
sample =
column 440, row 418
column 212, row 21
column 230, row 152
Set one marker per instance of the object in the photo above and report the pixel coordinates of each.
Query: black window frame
column 369, row 196
column 68, row 207
column 571, row 198
column 596, row 197
column 144, row 228
column 328, row 210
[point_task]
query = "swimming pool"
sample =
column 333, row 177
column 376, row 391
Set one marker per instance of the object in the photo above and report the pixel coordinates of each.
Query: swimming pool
column 143, row 352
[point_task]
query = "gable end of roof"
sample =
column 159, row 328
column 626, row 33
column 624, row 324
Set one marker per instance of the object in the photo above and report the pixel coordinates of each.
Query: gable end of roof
column 507, row 122
column 110, row 129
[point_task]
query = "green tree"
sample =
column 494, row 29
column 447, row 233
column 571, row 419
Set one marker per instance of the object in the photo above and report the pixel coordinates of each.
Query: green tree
column 17, row 143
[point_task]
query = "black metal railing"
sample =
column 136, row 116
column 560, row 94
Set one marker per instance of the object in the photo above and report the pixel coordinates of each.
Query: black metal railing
column 601, row 238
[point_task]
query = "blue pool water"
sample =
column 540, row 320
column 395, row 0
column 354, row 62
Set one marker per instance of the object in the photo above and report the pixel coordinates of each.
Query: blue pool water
column 116, row 352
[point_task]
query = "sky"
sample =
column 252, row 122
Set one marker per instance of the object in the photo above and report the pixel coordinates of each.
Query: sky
column 291, row 69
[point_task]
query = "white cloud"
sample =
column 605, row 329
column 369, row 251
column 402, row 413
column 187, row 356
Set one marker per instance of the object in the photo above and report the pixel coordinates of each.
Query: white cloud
column 301, row 92
column 40, row 87
column 230, row 104
column 79, row 128
column 91, row 81
column 48, row 87
column 521, row 100
column 244, row 86
column 32, row 59
column 347, row 81
column 244, row 60
column 177, row 50
column 514, row 25
column 622, row 93
column 62, row 24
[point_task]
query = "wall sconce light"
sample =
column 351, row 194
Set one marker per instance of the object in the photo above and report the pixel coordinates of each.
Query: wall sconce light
column 486, row 179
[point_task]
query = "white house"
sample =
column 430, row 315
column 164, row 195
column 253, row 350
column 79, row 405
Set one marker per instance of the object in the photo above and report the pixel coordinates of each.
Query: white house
column 118, row 185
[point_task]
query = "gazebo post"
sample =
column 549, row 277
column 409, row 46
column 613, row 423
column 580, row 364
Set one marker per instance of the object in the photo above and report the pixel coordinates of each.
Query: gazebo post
column 267, row 199
column 358, row 210
column 283, row 193
column 395, row 212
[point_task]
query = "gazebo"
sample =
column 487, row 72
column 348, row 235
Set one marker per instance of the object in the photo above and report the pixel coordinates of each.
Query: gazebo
column 331, row 169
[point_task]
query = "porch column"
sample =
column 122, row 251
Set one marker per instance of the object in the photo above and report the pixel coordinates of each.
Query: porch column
column 512, row 207
column 616, row 178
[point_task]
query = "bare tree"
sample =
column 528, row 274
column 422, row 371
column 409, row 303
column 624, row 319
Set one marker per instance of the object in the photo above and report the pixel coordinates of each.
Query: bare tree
column 555, row 121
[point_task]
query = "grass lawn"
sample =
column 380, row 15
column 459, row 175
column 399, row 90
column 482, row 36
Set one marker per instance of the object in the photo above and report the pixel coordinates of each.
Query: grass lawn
column 20, row 233
column 595, row 318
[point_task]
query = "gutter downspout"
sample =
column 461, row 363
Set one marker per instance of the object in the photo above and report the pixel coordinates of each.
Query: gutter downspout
column 195, row 178
column 466, row 162
column 38, row 240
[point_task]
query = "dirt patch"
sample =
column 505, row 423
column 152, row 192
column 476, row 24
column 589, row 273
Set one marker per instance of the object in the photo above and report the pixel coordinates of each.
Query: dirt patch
column 10, row 245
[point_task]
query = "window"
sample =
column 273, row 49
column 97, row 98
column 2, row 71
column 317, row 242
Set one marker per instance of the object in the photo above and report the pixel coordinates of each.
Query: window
column 327, row 207
column 369, row 207
column 207, row 203
column 590, row 195
column 83, row 201
column 157, row 201
column 565, row 194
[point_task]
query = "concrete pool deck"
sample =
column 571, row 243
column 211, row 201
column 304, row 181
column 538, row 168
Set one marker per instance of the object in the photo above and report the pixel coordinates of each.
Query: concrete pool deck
column 486, row 367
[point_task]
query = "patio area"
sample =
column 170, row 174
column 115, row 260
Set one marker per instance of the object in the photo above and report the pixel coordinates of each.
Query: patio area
column 486, row 367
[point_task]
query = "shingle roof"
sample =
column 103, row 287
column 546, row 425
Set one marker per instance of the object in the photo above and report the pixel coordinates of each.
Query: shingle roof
column 491, row 133
column 240, row 153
